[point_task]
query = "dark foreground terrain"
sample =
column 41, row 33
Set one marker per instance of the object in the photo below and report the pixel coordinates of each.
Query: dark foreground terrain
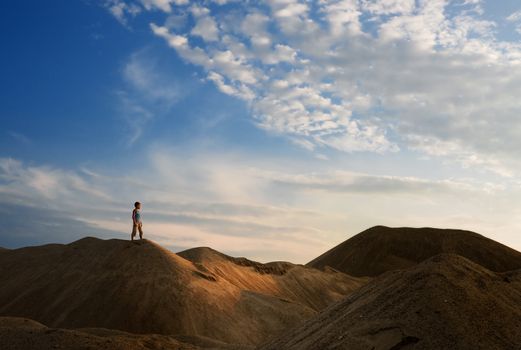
column 445, row 302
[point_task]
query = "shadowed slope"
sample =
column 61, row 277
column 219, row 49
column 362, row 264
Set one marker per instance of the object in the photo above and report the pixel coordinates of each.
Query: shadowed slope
column 381, row 249
column 143, row 288
column 446, row 302
column 24, row 334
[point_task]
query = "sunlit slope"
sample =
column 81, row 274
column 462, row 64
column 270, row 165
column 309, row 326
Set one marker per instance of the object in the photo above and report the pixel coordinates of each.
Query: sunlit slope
column 304, row 285
column 143, row 288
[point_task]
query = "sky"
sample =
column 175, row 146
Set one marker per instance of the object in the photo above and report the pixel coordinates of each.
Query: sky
column 269, row 129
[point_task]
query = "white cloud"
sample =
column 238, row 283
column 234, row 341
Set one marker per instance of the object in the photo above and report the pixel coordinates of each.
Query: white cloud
column 514, row 17
column 413, row 70
column 42, row 183
column 163, row 5
column 388, row 7
column 456, row 152
column 232, row 200
column 222, row 86
column 205, row 208
column 180, row 43
column 122, row 10
column 343, row 17
column 206, row 28
column 289, row 9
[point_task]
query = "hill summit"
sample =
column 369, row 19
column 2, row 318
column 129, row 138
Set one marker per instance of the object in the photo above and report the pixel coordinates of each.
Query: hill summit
column 380, row 249
column 140, row 287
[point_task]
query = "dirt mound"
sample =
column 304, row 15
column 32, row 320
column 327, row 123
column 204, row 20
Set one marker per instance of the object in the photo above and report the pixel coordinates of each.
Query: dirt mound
column 380, row 249
column 446, row 302
column 142, row 288
column 24, row 334
column 304, row 285
column 209, row 255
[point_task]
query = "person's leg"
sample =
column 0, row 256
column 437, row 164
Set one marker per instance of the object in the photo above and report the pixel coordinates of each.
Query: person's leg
column 133, row 232
column 140, row 227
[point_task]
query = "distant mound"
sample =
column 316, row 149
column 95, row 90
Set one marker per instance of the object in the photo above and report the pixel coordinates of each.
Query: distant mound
column 380, row 249
column 140, row 287
column 446, row 302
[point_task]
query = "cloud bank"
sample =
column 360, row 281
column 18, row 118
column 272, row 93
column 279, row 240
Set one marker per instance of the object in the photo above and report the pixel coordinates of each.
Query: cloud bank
column 362, row 76
column 236, row 204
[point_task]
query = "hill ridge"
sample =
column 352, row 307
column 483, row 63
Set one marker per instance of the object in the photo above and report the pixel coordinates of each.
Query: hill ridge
column 141, row 287
column 381, row 248
column 200, row 255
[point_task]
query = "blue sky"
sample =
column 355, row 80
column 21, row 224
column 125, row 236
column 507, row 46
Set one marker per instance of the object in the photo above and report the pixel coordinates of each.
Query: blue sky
column 272, row 130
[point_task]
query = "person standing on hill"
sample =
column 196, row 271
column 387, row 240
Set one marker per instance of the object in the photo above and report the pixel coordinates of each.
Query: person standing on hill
column 136, row 221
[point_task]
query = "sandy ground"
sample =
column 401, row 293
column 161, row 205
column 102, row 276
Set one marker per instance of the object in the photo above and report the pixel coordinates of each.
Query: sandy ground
column 142, row 288
column 446, row 302
column 115, row 294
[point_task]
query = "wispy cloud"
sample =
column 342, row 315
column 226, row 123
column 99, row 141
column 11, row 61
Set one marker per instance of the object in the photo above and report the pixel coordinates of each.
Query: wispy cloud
column 244, row 206
column 135, row 115
column 25, row 225
column 90, row 203
column 148, row 91
column 516, row 19
column 342, row 182
column 143, row 75
column 122, row 10
column 163, row 5
column 20, row 138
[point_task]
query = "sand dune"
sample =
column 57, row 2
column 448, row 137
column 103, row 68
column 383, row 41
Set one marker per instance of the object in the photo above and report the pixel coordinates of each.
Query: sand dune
column 446, row 302
column 143, row 288
column 381, row 249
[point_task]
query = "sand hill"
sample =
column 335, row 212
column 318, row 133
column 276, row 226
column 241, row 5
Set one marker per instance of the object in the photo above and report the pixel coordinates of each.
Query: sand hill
column 143, row 288
column 381, row 249
column 446, row 302
column 115, row 294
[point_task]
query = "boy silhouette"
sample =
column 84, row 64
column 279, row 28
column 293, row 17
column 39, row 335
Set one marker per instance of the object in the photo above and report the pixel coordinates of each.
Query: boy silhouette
column 136, row 221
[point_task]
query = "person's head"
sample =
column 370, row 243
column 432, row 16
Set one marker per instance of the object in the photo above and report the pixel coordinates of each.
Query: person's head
column 137, row 205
